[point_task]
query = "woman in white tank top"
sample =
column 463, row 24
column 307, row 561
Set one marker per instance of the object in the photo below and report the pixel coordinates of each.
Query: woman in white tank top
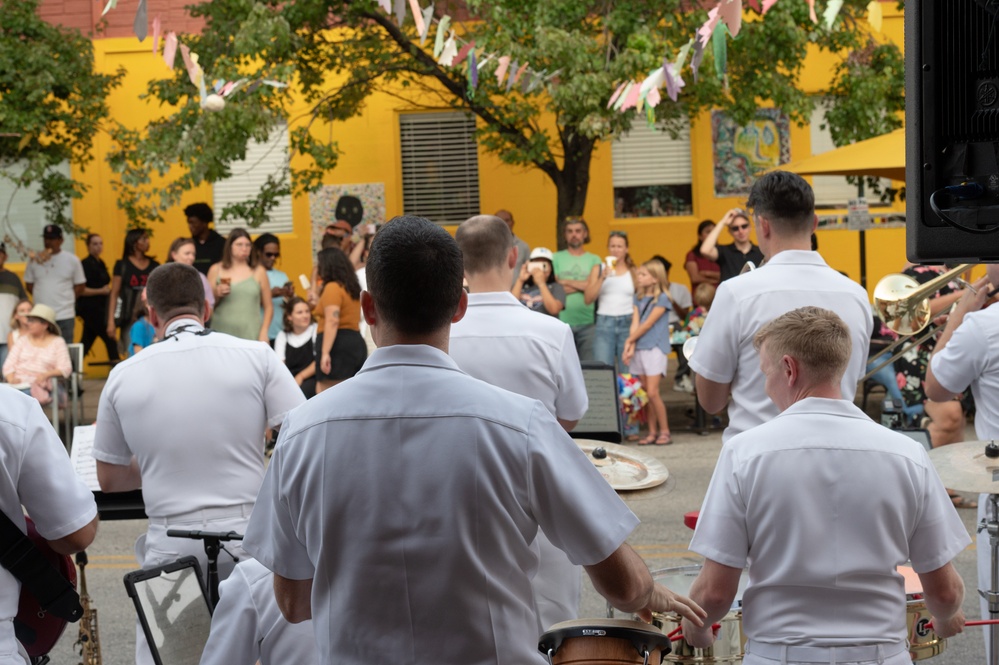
column 615, row 302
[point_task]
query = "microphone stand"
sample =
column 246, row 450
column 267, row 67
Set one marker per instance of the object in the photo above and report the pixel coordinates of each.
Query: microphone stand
column 991, row 596
column 213, row 547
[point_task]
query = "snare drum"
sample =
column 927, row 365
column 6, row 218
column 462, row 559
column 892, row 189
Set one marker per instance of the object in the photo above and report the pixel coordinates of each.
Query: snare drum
column 923, row 642
column 731, row 643
column 604, row 642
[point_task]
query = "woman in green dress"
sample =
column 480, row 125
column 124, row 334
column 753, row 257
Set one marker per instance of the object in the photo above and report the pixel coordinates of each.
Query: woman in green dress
column 242, row 293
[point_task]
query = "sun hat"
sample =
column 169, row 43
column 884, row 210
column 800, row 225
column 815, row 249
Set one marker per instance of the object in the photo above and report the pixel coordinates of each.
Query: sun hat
column 46, row 314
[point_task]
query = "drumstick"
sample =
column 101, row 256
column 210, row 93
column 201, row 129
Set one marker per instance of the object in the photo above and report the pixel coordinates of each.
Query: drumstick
column 986, row 622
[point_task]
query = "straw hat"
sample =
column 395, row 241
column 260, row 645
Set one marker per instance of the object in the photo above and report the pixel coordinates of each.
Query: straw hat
column 46, row 314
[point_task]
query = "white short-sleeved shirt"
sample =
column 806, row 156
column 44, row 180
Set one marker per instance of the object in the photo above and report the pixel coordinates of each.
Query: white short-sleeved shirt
column 36, row 474
column 823, row 503
column 744, row 304
column 969, row 359
column 680, row 295
column 617, row 295
column 411, row 494
column 53, row 282
column 501, row 342
column 193, row 409
column 247, row 625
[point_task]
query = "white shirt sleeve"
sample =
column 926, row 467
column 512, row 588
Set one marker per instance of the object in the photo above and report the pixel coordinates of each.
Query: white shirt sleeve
column 78, row 275
column 572, row 400
column 281, row 393
column 54, row 496
column 940, row 534
column 109, row 437
column 279, row 345
column 962, row 360
column 272, row 536
column 717, row 355
column 723, row 537
column 574, row 506
column 235, row 635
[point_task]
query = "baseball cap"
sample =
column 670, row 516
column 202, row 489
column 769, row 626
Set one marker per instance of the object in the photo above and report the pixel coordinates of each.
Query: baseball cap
column 52, row 231
column 541, row 253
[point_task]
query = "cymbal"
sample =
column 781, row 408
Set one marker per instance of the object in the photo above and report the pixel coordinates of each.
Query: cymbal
column 623, row 468
column 965, row 467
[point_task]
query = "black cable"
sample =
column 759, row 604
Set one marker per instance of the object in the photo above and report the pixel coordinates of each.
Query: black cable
column 950, row 222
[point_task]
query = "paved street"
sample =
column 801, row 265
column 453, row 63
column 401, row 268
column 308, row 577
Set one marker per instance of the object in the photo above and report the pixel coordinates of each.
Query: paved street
column 661, row 539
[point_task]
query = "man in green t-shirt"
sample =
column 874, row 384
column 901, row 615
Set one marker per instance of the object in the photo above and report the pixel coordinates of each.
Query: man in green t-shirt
column 576, row 269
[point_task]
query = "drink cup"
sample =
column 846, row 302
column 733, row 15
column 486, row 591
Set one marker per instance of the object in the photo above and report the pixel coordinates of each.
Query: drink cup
column 611, row 262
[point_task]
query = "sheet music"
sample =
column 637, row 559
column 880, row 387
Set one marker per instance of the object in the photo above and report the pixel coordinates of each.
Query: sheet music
column 80, row 455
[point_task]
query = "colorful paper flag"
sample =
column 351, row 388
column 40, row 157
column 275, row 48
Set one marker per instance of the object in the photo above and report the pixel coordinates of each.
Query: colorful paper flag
column 513, row 71
column 673, row 81
column 473, row 72
column 705, row 31
column 653, row 98
column 874, row 15
column 170, row 49
column 520, row 72
column 720, row 46
column 442, row 27
column 731, row 14
column 695, row 60
column 832, row 9
column 811, row 11
column 463, row 53
column 449, row 52
column 428, row 17
column 630, row 97
column 140, row 25
column 157, row 30
column 767, row 4
column 504, row 64
column 400, row 11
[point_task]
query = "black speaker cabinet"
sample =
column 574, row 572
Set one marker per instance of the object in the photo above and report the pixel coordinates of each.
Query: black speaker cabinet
column 952, row 130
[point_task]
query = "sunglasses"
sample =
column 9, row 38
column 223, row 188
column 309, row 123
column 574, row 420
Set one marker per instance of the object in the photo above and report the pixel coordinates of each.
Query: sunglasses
column 272, row 255
column 741, row 227
column 619, row 234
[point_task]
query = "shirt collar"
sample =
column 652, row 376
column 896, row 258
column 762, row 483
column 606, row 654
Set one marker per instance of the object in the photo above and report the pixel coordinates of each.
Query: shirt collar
column 409, row 354
column 187, row 322
column 493, row 298
column 824, row 405
column 797, row 256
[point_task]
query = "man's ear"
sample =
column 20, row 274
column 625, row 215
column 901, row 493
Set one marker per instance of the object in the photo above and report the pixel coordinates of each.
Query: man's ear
column 459, row 313
column 368, row 308
column 511, row 259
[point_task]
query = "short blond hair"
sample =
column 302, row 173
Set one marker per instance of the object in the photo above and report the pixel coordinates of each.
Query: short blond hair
column 816, row 337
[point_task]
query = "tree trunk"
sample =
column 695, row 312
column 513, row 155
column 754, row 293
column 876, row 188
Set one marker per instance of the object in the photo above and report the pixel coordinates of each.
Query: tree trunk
column 572, row 182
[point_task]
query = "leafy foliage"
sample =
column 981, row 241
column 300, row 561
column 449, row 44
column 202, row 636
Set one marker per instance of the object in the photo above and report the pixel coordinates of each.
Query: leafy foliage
column 339, row 52
column 51, row 105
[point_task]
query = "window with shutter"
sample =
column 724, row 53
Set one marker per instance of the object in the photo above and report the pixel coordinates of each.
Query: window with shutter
column 440, row 166
column 23, row 218
column 830, row 191
column 248, row 176
column 652, row 173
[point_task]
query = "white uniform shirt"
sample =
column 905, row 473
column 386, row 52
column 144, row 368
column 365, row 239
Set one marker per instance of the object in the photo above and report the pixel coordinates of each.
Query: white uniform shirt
column 680, row 295
column 247, row 625
column 823, row 503
column 503, row 343
column 35, row 473
column 969, row 358
column 53, row 282
column 193, row 409
column 744, row 304
column 410, row 494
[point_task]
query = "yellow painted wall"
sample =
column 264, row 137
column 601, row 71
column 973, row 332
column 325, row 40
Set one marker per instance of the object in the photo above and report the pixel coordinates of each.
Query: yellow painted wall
column 371, row 154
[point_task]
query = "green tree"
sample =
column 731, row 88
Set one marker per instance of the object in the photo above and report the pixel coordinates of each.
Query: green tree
column 592, row 46
column 52, row 104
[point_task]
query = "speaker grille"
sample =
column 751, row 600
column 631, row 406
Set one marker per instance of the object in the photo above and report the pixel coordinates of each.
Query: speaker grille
column 967, row 67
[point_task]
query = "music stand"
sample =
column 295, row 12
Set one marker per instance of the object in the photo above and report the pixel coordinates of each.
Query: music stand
column 173, row 610
column 602, row 420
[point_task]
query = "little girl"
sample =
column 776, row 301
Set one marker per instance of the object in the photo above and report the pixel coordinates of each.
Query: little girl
column 296, row 344
column 647, row 345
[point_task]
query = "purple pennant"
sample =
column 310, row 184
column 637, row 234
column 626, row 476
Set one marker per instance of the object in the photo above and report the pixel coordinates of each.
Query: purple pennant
column 473, row 72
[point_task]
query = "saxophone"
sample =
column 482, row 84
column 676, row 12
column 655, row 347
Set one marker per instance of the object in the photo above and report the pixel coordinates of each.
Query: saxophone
column 88, row 641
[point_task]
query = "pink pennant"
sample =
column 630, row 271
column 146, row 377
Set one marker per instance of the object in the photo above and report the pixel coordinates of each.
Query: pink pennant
column 421, row 27
column 157, row 29
column 386, row 5
column 731, row 12
column 504, row 64
column 519, row 73
column 463, row 53
column 653, row 98
column 767, row 4
column 185, row 54
column 754, row 5
column 170, row 49
column 631, row 100
column 708, row 29
column 617, row 93
column 811, row 11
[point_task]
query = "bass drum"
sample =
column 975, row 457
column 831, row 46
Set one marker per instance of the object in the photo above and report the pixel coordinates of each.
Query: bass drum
column 923, row 641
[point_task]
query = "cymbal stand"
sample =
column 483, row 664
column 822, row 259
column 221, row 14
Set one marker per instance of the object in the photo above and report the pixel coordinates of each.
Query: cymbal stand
column 991, row 524
column 213, row 547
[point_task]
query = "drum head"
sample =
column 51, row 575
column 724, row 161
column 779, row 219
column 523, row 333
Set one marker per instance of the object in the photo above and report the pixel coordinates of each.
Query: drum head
column 644, row 637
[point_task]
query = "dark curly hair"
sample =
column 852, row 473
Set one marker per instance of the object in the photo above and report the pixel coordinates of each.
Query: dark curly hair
column 334, row 266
